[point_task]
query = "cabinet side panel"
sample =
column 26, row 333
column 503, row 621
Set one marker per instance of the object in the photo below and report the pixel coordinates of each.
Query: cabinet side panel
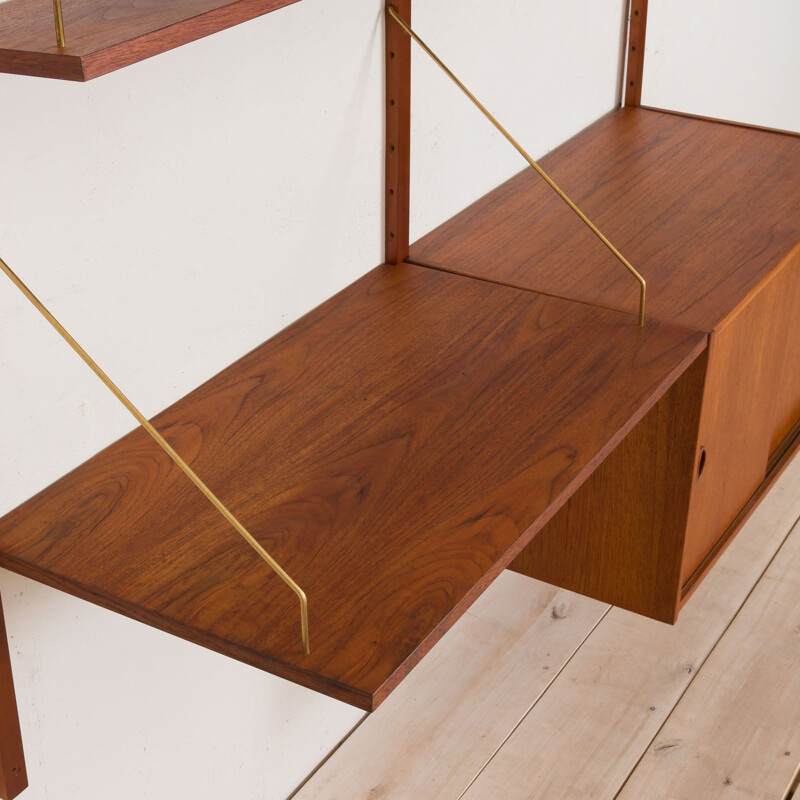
column 620, row 537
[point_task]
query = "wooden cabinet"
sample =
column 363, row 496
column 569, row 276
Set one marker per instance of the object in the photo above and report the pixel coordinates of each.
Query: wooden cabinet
column 749, row 407
column 709, row 212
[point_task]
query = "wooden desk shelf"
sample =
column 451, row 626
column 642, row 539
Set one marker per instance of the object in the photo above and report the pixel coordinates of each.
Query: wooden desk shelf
column 106, row 35
column 394, row 450
column 710, row 213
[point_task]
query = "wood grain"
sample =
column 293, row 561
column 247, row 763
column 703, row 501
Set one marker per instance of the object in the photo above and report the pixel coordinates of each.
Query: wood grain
column 394, row 449
column 787, row 386
column 637, row 33
column 590, row 729
column 779, row 460
column 710, row 213
column 745, row 403
column 13, row 775
column 707, row 211
column 106, row 36
column 398, row 134
column 736, row 731
column 620, row 537
column 442, row 725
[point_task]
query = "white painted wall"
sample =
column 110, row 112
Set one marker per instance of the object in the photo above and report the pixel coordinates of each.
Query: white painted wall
column 731, row 59
column 174, row 215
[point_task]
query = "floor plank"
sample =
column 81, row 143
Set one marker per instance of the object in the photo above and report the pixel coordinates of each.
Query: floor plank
column 436, row 732
column 736, row 731
column 589, row 730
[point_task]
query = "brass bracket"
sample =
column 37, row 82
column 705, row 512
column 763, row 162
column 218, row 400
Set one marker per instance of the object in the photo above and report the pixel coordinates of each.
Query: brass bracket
column 642, row 283
column 167, row 448
column 58, row 15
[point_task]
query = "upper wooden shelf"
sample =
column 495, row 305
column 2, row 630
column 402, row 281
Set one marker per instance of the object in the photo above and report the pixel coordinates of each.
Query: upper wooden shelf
column 394, row 449
column 107, row 35
column 707, row 211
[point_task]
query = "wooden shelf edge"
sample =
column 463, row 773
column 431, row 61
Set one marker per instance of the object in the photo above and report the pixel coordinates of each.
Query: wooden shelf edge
column 309, row 680
column 41, row 65
column 139, row 43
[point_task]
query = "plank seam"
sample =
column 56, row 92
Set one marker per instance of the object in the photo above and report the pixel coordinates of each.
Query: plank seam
column 533, row 704
column 328, row 757
column 794, row 785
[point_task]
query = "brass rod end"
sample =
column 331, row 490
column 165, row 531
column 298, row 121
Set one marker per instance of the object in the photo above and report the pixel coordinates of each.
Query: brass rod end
column 58, row 16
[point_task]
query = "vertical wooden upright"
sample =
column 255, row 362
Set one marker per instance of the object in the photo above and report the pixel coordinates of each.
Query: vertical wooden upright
column 398, row 134
column 13, row 777
column 636, row 40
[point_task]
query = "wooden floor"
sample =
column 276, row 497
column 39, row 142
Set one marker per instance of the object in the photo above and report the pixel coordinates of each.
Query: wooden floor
column 541, row 693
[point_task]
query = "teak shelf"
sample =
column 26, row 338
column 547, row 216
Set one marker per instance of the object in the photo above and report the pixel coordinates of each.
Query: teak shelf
column 393, row 450
column 106, row 35
column 483, row 400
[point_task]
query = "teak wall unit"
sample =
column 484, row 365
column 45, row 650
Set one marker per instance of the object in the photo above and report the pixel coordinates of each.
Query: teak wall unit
column 484, row 399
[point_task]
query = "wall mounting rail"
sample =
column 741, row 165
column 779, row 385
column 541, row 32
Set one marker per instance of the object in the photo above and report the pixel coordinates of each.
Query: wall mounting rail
column 13, row 774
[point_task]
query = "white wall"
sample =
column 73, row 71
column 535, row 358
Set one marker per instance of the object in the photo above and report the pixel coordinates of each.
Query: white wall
column 174, row 215
column 731, row 59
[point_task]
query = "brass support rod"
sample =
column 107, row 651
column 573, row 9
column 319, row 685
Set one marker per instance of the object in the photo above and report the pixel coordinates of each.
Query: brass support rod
column 642, row 284
column 61, row 40
column 167, row 448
